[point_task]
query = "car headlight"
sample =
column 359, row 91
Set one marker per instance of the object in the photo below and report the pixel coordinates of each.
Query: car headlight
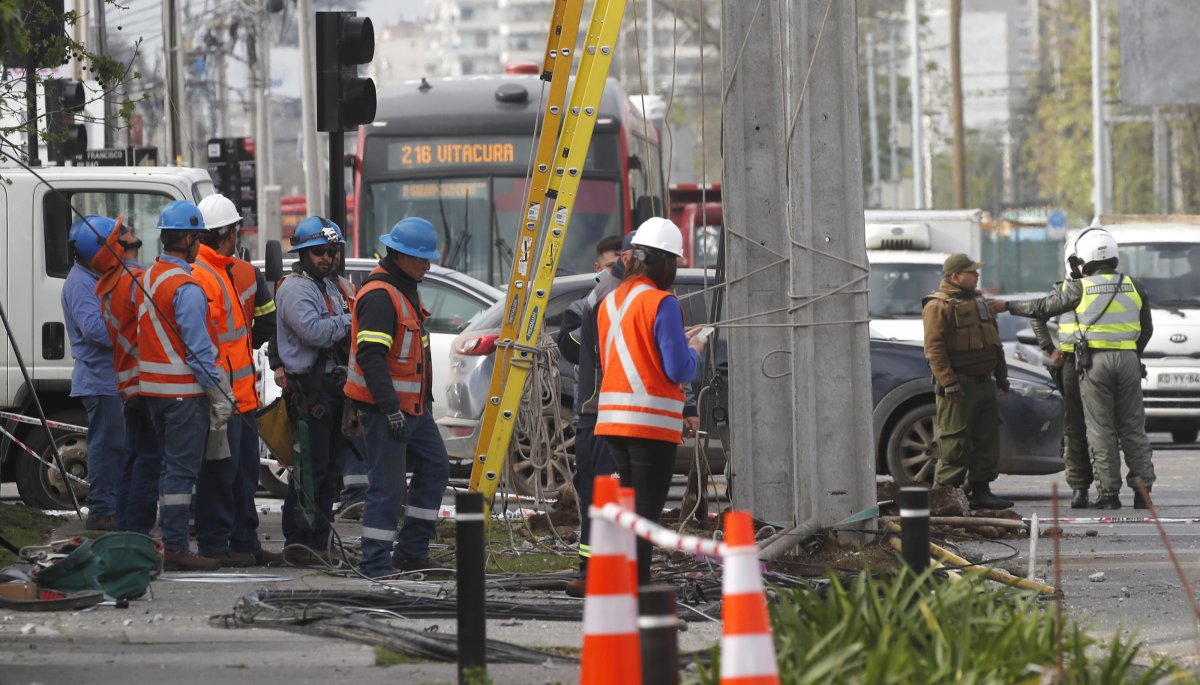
column 1026, row 388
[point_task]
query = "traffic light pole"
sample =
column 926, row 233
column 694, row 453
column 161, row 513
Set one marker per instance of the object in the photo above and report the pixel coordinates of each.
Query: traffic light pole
column 31, row 128
column 337, row 182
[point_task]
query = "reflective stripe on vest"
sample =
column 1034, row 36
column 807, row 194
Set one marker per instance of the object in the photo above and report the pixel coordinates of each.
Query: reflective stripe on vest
column 125, row 354
column 406, row 365
column 232, row 331
column 161, row 368
column 233, row 335
column 1066, row 328
column 1110, row 312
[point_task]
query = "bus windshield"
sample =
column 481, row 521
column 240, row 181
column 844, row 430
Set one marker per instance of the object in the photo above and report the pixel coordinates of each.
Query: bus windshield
column 476, row 219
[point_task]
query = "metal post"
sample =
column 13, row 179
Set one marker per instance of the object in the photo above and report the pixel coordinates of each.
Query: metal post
column 472, row 612
column 918, row 112
column 1162, row 162
column 872, row 122
column 308, row 109
column 337, row 182
column 914, row 527
column 31, row 115
column 1099, row 169
column 658, row 626
column 102, row 49
column 893, row 118
column 956, row 106
column 171, row 107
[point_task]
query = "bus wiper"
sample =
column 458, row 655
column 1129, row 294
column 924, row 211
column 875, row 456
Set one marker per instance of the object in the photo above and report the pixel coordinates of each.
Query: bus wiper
column 445, row 221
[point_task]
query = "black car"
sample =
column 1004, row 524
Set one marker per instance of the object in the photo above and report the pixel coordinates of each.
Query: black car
column 901, row 387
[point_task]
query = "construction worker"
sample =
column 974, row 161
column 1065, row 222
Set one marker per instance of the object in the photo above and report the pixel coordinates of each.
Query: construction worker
column 93, row 378
column 390, row 379
column 226, row 520
column 608, row 251
column 645, row 356
column 1076, row 456
column 185, row 392
column 313, row 323
column 1110, row 326
column 963, row 347
column 120, row 300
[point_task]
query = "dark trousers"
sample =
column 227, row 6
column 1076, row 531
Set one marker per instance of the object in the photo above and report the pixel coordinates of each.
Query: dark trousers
column 647, row 466
column 324, row 454
column 225, row 515
column 137, row 492
column 592, row 458
column 105, row 452
column 181, row 425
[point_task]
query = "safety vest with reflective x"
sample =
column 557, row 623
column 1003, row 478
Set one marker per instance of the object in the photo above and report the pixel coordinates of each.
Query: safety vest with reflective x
column 162, row 369
column 406, row 351
column 227, row 317
column 120, row 308
column 636, row 398
column 1109, row 313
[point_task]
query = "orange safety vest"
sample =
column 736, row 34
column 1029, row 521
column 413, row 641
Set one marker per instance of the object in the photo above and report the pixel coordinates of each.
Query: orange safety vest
column 121, row 318
column 162, row 369
column 637, row 399
column 245, row 283
column 227, row 318
column 406, row 352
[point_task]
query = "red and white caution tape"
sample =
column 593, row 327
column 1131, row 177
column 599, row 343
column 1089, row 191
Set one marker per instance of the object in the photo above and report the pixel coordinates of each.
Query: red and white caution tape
column 37, row 422
column 1100, row 520
column 37, row 456
column 657, row 535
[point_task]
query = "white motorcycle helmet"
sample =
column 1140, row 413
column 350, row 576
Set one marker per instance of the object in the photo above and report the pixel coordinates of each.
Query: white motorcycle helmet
column 1093, row 245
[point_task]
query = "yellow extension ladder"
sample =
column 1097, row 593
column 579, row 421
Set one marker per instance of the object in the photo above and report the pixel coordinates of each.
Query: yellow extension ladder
column 558, row 169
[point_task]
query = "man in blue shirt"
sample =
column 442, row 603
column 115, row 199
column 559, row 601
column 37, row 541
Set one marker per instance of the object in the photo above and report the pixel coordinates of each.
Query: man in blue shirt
column 93, row 379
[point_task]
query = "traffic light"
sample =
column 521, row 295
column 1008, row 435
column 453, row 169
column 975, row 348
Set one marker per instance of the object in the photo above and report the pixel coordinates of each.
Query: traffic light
column 64, row 138
column 344, row 100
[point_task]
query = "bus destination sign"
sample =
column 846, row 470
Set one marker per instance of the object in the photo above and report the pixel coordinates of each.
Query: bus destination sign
column 457, row 152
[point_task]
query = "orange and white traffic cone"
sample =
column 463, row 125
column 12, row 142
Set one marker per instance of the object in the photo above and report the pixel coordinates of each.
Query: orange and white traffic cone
column 612, row 653
column 628, row 501
column 747, row 649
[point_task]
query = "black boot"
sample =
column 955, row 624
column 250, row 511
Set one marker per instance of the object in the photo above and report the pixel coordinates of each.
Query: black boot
column 1138, row 501
column 981, row 497
column 1080, row 500
column 1107, row 502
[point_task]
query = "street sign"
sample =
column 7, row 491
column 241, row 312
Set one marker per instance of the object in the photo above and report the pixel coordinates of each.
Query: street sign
column 232, row 167
column 118, row 156
column 1056, row 219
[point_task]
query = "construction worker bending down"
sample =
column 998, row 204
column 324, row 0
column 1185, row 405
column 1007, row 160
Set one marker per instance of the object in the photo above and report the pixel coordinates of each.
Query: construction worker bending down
column 645, row 357
column 390, row 380
column 120, row 300
column 93, row 378
column 1110, row 324
column 226, row 523
column 963, row 347
column 313, row 322
column 186, row 394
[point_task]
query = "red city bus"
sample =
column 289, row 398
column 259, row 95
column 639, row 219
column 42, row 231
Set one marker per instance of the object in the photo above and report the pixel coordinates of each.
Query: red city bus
column 457, row 151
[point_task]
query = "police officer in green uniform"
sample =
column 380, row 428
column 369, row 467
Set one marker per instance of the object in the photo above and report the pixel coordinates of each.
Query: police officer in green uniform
column 1109, row 322
column 1076, row 456
column 963, row 347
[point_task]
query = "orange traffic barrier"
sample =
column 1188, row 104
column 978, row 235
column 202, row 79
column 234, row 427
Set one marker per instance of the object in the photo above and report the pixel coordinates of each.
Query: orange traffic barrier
column 747, row 649
column 612, row 653
column 628, row 502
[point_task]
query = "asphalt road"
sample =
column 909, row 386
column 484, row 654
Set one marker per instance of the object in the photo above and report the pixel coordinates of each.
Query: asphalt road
column 167, row 637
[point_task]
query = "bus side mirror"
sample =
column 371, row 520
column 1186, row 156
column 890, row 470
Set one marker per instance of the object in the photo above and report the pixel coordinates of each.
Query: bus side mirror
column 646, row 207
column 273, row 261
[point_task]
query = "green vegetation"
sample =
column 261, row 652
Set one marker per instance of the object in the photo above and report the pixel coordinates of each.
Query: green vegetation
column 23, row 526
column 386, row 657
column 885, row 630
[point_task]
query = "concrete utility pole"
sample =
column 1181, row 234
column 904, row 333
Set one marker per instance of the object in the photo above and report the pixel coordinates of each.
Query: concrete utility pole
column 872, row 123
column 171, row 103
column 102, row 49
column 893, row 119
column 268, row 225
column 308, row 110
column 956, row 106
column 1099, row 168
column 799, row 378
column 918, row 110
column 1162, row 161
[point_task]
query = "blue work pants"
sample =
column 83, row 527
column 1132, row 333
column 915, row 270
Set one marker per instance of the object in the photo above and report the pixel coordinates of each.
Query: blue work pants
column 387, row 460
column 244, row 537
column 324, row 453
column 592, row 458
column 181, row 425
column 225, row 515
column 354, row 471
column 105, row 452
column 137, row 493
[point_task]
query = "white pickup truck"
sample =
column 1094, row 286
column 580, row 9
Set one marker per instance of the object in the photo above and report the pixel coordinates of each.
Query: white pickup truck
column 35, row 215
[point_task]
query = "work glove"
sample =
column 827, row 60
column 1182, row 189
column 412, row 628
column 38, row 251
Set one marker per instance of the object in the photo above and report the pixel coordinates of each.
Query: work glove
column 397, row 425
column 221, row 404
column 954, row 393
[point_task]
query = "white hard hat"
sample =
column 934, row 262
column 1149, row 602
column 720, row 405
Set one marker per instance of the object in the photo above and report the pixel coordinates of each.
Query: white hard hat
column 218, row 211
column 1095, row 245
column 661, row 234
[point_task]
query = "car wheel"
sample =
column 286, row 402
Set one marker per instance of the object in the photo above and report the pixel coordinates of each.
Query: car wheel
column 272, row 476
column 548, row 474
column 912, row 446
column 1184, row 435
column 44, row 487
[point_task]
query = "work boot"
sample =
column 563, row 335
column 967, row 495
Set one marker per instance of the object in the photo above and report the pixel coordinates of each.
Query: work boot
column 1106, row 502
column 576, row 588
column 106, row 524
column 1138, row 501
column 981, row 497
column 174, row 560
column 1080, row 500
column 303, row 557
column 232, row 559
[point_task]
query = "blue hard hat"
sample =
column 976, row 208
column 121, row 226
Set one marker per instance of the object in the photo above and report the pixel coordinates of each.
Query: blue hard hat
column 413, row 236
column 181, row 215
column 88, row 234
column 314, row 231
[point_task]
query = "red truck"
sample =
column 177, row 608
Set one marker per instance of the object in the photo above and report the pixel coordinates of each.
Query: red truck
column 696, row 209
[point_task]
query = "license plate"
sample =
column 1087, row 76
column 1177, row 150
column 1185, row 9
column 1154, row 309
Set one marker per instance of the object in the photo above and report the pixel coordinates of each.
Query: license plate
column 1179, row 379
